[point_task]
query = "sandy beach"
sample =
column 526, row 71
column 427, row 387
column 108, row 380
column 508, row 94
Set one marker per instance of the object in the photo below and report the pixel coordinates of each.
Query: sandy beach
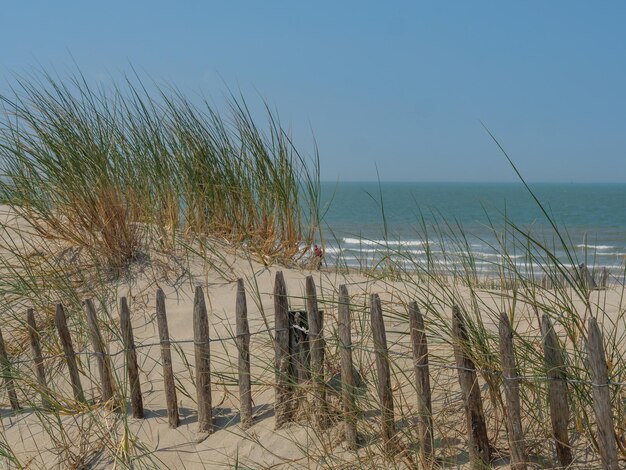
column 89, row 436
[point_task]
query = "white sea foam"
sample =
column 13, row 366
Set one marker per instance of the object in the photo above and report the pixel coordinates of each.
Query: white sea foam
column 376, row 250
column 367, row 253
column 595, row 247
column 482, row 254
column 364, row 242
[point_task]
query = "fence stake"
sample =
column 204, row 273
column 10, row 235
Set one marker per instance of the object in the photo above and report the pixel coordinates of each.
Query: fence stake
column 479, row 451
column 102, row 358
column 128, row 341
column 60, row 321
column 347, row 376
column 166, row 359
column 586, row 277
column 7, row 373
column 384, row 373
column 601, row 396
column 203, row 364
column 511, row 392
column 422, row 382
column 604, row 277
column 243, row 345
column 35, row 345
column 283, row 405
column 316, row 339
column 557, row 391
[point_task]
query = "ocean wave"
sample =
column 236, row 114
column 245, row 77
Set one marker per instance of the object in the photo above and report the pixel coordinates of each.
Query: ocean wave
column 496, row 255
column 481, row 254
column 455, row 266
column 382, row 251
column 595, row 247
column 612, row 253
column 362, row 241
column 455, row 254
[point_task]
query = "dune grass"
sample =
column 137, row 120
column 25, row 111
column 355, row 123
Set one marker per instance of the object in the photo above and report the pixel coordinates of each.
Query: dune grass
column 114, row 192
column 92, row 167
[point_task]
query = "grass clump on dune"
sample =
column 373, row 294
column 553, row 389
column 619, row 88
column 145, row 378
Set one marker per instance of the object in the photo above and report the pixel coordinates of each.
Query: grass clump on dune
column 93, row 168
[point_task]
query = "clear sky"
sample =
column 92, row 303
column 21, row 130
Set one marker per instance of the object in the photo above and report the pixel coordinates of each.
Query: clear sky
column 400, row 85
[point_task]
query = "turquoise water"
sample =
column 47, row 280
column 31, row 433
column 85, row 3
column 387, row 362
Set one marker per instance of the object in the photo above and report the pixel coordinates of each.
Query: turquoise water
column 590, row 217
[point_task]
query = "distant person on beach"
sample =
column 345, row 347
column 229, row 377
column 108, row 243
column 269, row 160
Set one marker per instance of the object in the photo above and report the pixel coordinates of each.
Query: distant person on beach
column 319, row 256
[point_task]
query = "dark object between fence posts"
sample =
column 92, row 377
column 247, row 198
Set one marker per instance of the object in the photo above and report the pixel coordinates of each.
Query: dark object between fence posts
column 422, row 384
column 557, row 391
column 510, row 383
column 166, row 359
column 243, row 345
column 60, row 322
column 202, row 351
column 7, row 373
column 347, row 377
column 128, row 341
column 383, row 368
column 283, row 406
column 35, row 345
column 479, row 451
column 316, row 342
column 601, row 396
column 299, row 346
column 102, row 358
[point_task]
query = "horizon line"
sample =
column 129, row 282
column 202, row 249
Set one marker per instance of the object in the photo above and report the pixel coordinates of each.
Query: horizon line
column 469, row 182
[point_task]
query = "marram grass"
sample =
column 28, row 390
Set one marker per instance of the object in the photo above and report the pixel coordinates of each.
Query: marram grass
column 93, row 167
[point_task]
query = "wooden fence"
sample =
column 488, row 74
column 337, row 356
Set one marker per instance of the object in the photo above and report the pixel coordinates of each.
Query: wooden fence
column 299, row 347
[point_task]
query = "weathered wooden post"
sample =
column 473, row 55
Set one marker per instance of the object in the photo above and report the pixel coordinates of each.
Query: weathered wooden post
column 557, row 391
column 316, row 341
column 7, row 373
column 102, row 358
column 510, row 382
column 202, row 351
column 347, row 376
column 166, row 359
column 60, row 321
column 585, row 277
column 35, row 345
column 243, row 346
column 601, row 396
column 422, row 384
column 604, row 277
column 479, row 451
column 283, row 405
column 128, row 340
column 383, row 368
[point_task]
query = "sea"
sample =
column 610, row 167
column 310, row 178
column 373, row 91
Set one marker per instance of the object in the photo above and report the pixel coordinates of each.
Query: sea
column 487, row 226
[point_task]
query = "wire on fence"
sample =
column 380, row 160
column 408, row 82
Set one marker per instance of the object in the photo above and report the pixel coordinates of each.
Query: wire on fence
column 145, row 345
column 493, row 373
column 435, row 365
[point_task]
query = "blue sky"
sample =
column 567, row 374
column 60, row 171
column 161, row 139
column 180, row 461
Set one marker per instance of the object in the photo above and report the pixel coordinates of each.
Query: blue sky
column 398, row 85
